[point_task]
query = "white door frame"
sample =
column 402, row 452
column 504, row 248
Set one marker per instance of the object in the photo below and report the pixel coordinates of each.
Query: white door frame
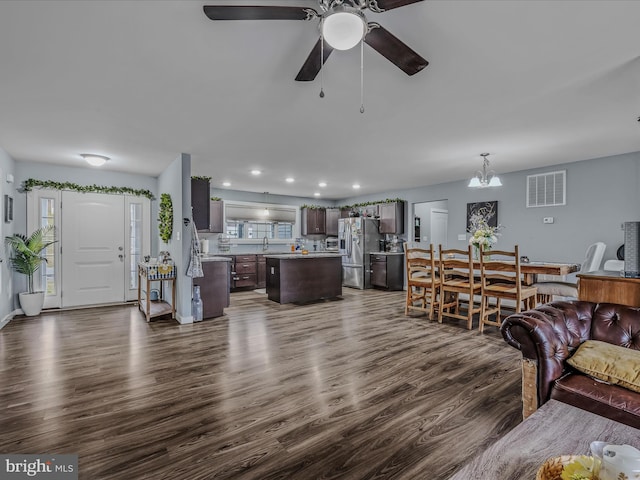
column 33, row 222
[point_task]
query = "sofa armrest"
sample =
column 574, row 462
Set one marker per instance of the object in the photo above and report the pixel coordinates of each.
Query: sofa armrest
column 546, row 336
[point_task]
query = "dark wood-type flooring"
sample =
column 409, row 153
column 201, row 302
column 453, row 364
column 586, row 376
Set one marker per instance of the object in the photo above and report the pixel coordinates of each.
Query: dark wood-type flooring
column 343, row 389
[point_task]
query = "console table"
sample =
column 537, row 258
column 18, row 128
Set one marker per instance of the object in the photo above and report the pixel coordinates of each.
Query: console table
column 609, row 287
column 554, row 429
column 156, row 273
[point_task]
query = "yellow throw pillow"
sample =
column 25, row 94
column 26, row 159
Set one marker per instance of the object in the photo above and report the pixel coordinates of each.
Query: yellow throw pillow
column 610, row 363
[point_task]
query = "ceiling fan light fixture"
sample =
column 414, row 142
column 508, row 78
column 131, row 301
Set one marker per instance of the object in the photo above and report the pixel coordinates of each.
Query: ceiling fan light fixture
column 94, row 160
column 344, row 28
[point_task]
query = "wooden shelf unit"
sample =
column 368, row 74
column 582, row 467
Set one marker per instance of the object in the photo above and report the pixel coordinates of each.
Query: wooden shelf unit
column 160, row 307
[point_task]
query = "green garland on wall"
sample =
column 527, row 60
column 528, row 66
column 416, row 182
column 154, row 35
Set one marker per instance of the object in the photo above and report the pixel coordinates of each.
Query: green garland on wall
column 200, row 177
column 356, row 205
column 32, row 182
column 165, row 217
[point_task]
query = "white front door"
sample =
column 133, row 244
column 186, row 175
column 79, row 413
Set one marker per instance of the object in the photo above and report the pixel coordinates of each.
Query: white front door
column 93, row 255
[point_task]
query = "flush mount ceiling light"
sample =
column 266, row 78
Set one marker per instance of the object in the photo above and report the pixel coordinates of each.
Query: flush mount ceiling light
column 95, row 160
column 255, row 172
column 344, row 27
column 484, row 178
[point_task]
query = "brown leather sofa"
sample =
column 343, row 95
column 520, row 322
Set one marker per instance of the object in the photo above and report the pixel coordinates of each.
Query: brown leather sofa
column 549, row 334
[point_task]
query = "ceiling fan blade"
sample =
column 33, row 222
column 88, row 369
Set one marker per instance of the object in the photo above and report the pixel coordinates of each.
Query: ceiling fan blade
column 226, row 12
column 311, row 65
column 384, row 5
column 394, row 50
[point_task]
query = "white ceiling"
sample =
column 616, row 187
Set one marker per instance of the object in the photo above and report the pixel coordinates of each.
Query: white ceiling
column 534, row 83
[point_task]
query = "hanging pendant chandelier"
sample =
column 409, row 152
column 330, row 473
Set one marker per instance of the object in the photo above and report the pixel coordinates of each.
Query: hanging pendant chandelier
column 484, row 178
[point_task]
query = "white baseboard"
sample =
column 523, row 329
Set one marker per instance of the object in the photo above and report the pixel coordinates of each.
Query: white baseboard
column 9, row 317
column 184, row 320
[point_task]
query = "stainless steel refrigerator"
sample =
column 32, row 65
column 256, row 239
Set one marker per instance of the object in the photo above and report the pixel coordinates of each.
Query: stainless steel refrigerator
column 357, row 238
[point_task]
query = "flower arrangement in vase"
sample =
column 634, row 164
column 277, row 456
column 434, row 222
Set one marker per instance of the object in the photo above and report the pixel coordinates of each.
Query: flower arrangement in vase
column 482, row 234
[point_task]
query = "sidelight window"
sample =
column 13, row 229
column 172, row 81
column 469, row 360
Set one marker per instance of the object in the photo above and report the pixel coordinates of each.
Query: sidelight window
column 48, row 270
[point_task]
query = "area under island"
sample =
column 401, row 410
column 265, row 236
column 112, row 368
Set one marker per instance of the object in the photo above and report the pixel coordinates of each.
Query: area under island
column 297, row 278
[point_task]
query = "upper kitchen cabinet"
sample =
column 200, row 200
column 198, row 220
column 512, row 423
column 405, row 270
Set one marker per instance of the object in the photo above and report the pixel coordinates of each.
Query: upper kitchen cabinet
column 216, row 216
column 332, row 217
column 207, row 214
column 314, row 221
column 391, row 217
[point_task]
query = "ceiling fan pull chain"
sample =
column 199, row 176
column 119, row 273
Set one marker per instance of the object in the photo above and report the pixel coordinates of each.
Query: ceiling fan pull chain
column 362, row 75
column 321, row 59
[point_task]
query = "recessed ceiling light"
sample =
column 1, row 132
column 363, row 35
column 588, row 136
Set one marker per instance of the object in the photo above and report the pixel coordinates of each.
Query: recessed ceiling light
column 356, row 186
column 316, row 194
column 322, row 184
column 255, row 172
column 94, row 160
column 290, row 179
column 226, row 184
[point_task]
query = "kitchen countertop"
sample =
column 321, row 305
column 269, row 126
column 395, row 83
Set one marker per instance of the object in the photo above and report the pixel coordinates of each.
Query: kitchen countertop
column 387, row 253
column 300, row 255
column 207, row 258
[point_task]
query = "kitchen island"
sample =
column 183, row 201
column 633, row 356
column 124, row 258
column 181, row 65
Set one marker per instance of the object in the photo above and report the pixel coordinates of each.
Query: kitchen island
column 214, row 286
column 298, row 278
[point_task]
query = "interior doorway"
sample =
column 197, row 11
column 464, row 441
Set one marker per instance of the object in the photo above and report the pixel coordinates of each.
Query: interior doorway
column 431, row 222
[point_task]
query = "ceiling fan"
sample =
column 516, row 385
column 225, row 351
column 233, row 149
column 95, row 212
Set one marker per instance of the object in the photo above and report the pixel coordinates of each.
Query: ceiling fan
column 342, row 26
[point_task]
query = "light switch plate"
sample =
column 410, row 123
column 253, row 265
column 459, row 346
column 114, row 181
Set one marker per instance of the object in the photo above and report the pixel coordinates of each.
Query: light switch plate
column 547, row 220
column 462, row 236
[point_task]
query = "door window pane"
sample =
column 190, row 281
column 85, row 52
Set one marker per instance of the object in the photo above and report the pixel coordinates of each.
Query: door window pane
column 135, row 240
column 47, row 218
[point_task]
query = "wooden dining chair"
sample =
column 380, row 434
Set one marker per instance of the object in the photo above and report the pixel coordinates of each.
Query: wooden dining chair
column 457, row 276
column 501, row 279
column 423, row 281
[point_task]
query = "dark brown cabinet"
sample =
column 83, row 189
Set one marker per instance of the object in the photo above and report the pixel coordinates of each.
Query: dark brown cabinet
column 331, row 221
column 387, row 271
column 208, row 214
column 216, row 216
column 214, row 288
column 261, row 264
column 200, row 203
column 314, row 221
column 391, row 217
column 245, row 271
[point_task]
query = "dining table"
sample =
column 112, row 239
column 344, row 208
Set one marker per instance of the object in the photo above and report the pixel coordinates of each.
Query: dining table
column 530, row 270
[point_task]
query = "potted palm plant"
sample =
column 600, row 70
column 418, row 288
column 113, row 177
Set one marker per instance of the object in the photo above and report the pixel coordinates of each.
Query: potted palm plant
column 27, row 256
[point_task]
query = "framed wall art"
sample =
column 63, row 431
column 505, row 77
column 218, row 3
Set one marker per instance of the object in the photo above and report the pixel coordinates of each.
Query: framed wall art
column 8, row 209
column 488, row 211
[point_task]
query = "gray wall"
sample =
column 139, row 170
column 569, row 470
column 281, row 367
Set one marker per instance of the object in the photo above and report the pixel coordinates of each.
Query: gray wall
column 176, row 181
column 81, row 176
column 423, row 210
column 601, row 195
column 7, row 300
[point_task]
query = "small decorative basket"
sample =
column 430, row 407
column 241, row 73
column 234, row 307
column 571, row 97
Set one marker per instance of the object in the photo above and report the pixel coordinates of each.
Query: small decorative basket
column 552, row 468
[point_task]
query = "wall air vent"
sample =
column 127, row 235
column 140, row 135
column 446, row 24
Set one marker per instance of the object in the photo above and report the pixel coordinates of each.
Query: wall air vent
column 547, row 189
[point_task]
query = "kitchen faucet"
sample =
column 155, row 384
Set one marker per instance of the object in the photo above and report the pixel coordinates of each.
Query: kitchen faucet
column 265, row 243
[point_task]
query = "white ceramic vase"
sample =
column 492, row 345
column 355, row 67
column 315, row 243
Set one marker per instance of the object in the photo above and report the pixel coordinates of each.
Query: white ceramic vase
column 31, row 303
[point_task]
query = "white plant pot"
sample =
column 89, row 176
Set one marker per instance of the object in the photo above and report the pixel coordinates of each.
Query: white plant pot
column 31, row 303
